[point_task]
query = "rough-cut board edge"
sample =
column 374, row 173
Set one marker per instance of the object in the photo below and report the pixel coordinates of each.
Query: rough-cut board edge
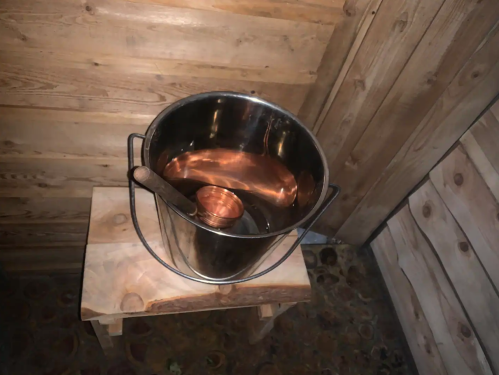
column 454, row 35
column 244, row 297
column 449, row 118
column 321, row 12
column 423, row 347
column 334, row 57
column 482, row 163
column 472, row 205
column 460, row 262
column 458, row 346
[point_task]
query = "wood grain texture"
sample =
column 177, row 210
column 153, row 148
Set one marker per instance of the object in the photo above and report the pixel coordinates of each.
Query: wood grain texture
column 455, row 34
column 37, row 233
column 394, row 34
column 58, row 178
column 323, row 12
column 348, row 32
column 487, row 171
column 43, row 257
column 460, row 261
column 44, row 210
column 59, row 134
column 412, row 318
column 149, row 30
column 121, row 279
column 462, row 102
column 473, row 206
column 486, row 134
column 352, row 53
column 457, row 344
column 66, row 85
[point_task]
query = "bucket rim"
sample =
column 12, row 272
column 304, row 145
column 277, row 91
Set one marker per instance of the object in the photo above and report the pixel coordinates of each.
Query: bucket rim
column 221, row 94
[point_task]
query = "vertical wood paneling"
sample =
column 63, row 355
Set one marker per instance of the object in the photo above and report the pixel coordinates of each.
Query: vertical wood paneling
column 486, row 134
column 457, row 344
column 487, row 171
column 457, row 31
column 348, row 34
column 394, row 34
column 473, row 206
column 463, row 100
column 460, row 261
column 412, row 318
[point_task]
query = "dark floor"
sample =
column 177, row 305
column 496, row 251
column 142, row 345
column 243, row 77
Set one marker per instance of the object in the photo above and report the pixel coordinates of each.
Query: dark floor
column 348, row 328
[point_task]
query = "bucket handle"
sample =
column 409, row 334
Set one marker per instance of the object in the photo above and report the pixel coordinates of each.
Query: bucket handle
column 131, row 184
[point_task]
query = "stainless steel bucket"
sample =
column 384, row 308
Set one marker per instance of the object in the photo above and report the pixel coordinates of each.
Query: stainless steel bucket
column 237, row 122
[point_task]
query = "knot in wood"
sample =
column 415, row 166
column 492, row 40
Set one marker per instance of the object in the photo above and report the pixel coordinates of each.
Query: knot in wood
column 132, row 302
column 119, row 219
column 426, row 210
column 458, row 179
column 464, row 246
column 465, row 331
column 225, row 289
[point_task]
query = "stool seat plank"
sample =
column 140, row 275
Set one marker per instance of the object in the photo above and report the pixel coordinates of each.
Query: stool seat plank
column 121, row 279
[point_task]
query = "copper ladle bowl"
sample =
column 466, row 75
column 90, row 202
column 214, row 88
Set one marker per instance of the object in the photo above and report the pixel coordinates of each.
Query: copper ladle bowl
column 218, row 207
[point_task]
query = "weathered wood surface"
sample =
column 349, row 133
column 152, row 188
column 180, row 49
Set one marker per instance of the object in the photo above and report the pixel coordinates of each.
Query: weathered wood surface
column 396, row 30
column 42, row 257
column 461, row 262
column 446, row 242
column 460, row 350
column 157, row 30
column 462, row 102
column 419, row 336
column 77, row 76
column 457, row 31
column 347, row 37
column 471, row 203
column 122, row 279
column 482, row 163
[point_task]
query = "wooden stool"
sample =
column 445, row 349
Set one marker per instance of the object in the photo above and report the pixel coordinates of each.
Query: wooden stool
column 121, row 279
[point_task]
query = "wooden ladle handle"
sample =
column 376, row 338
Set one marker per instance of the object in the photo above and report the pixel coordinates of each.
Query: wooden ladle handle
column 152, row 181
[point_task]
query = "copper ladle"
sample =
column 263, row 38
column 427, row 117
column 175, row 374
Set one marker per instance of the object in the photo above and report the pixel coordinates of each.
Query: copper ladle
column 215, row 206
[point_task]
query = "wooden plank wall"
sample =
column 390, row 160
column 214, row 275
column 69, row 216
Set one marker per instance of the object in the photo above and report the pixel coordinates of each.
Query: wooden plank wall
column 440, row 253
column 424, row 70
column 387, row 85
column 76, row 77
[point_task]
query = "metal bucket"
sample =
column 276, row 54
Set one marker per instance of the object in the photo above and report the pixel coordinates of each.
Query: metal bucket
column 239, row 122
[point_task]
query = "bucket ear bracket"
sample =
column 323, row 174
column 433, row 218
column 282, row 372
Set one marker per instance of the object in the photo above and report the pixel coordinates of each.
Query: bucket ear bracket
column 131, row 184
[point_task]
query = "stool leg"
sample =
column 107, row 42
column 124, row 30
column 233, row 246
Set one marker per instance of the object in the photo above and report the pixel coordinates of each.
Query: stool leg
column 262, row 320
column 105, row 333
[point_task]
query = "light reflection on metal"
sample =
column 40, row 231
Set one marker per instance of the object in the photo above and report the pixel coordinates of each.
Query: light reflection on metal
column 218, row 207
column 262, row 175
